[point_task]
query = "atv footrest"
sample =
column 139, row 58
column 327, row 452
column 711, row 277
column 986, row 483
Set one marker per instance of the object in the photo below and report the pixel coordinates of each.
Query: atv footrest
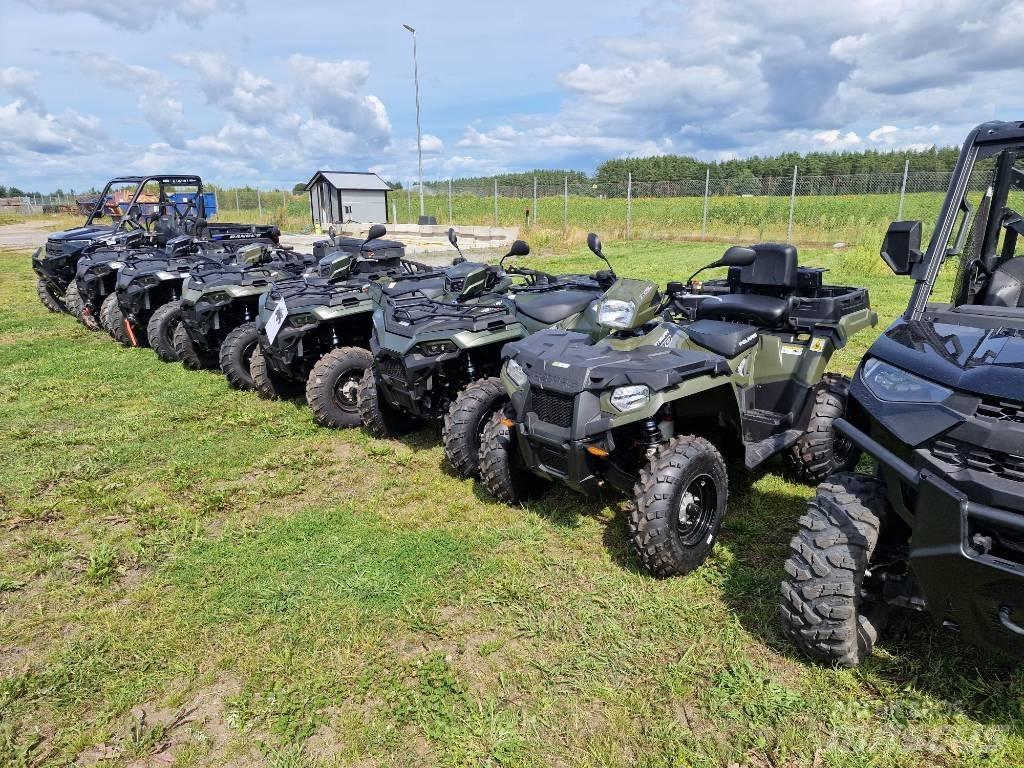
column 759, row 452
column 771, row 418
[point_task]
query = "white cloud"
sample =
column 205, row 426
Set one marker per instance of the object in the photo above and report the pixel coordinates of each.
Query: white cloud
column 23, row 129
column 20, row 83
column 836, row 140
column 140, row 17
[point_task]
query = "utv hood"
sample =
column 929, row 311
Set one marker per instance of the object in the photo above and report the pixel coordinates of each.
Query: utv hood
column 80, row 233
column 988, row 362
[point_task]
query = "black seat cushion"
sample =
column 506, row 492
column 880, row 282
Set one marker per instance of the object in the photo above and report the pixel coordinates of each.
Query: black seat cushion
column 749, row 307
column 774, row 267
column 1006, row 287
column 552, row 306
column 725, row 339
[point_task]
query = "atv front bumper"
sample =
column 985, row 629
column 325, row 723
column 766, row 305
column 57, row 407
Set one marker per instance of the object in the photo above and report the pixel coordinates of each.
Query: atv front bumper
column 971, row 584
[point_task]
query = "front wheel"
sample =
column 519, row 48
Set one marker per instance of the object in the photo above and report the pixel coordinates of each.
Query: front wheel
column 501, row 466
column 270, row 384
column 235, row 354
column 465, row 421
column 187, row 352
column 380, row 418
column 160, row 330
column 678, row 506
column 826, row 609
column 48, row 297
column 332, row 389
column 821, row 450
column 75, row 305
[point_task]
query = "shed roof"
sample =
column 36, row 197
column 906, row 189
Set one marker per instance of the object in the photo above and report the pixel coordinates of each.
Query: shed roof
column 350, row 180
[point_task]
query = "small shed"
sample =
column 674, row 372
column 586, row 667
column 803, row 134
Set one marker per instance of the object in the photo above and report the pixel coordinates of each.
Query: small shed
column 339, row 197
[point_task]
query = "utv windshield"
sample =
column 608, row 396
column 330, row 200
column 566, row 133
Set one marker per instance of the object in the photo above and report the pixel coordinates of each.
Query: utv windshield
column 985, row 245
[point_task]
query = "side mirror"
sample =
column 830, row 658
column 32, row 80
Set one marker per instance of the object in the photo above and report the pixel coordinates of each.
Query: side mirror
column 376, row 231
column 901, row 249
column 738, row 256
column 453, row 238
column 252, row 254
column 519, row 248
column 594, row 244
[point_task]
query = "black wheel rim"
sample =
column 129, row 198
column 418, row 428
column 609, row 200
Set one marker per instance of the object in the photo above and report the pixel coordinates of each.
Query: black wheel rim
column 247, row 351
column 346, row 390
column 696, row 510
column 842, row 449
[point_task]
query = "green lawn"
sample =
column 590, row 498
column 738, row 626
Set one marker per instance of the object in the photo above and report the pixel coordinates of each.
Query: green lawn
column 191, row 575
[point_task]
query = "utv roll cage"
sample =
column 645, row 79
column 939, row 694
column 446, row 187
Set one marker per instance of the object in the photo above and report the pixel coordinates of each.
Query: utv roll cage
column 140, row 182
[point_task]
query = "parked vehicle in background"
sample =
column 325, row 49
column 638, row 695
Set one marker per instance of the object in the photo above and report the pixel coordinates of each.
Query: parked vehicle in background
column 938, row 404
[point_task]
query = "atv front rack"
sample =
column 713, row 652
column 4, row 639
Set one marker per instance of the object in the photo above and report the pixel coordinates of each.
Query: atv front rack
column 415, row 306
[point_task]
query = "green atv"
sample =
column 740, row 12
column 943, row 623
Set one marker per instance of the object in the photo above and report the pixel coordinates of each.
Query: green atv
column 428, row 349
column 657, row 408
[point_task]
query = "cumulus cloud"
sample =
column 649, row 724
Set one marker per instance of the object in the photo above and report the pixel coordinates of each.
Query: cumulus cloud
column 20, row 83
column 140, row 17
column 24, row 129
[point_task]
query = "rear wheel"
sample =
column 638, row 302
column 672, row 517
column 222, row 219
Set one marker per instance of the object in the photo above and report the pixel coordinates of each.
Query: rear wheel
column 678, row 506
column 501, row 467
column 465, row 421
column 380, row 418
column 160, row 330
column 75, row 305
column 270, row 384
column 187, row 352
column 236, row 352
column 821, row 450
column 332, row 389
column 826, row 610
column 48, row 297
column 112, row 320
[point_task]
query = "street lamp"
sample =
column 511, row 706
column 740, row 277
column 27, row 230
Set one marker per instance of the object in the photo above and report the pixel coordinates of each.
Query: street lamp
column 419, row 142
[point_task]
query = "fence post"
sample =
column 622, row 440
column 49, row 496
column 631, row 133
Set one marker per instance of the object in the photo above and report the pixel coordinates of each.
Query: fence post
column 408, row 196
column 629, row 206
column 237, row 206
column 259, row 202
column 284, row 200
column 707, row 190
column 394, row 212
column 495, row 201
column 451, row 219
column 903, row 189
column 792, row 204
column 565, row 207
column 534, row 200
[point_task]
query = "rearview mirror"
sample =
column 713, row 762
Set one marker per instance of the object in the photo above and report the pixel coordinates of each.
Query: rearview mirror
column 901, row 249
column 453, row 237
column 519, row 248
column 376, row 231
column 737, row 256
column 594, row 244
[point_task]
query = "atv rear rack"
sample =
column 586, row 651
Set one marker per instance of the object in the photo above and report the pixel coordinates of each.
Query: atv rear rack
column 415, row 306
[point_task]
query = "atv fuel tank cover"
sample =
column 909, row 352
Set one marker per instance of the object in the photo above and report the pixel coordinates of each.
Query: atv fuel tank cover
column 726, row 339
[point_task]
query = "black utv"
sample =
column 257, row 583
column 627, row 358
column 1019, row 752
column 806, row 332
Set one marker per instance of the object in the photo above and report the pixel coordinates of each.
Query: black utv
column 148, row 213
column 321, row 321
column 938, row 405
column 219, row 306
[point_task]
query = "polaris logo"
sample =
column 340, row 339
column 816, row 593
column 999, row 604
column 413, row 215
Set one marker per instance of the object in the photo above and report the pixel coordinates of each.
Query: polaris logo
column 558, row 364
column 751, row 337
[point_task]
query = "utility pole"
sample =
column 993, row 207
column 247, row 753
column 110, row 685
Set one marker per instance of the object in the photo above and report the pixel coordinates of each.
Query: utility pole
column 419, row 138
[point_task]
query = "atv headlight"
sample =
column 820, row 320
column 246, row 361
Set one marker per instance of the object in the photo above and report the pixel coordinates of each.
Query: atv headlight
column 615, row 313
column 435, row 348
column 163, row 274
column 305, row 318
column 631, row 397
column 116, row 264
column 516, row 373
column 894, row 385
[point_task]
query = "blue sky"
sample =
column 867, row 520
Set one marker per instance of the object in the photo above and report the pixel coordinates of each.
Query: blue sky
column 265, row 93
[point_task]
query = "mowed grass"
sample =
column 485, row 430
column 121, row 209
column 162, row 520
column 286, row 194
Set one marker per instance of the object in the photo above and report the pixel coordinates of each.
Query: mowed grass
column 193, row 576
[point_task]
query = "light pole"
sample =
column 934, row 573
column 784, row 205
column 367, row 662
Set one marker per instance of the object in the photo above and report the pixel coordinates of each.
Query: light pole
column 419, row 142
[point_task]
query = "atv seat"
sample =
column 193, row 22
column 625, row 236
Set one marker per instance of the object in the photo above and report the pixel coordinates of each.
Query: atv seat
column 744, row 307
column 1006, row 286
column 550, row 307
column 725, row 339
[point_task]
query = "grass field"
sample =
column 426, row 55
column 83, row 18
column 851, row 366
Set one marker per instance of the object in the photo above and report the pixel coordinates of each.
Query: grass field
column 192, row 576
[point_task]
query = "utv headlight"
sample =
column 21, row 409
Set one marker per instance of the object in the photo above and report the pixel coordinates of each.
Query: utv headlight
column 631, row 397
column 516, row 373
column 615, row 313
column 435, row 348
column 894, row 385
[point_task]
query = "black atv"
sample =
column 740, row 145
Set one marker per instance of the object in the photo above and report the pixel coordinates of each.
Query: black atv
column 429, row 349
column 728, row 370
column 56, row 263
column 145, row 309
column 938, row 404
column 314, row 330
column 219, row 306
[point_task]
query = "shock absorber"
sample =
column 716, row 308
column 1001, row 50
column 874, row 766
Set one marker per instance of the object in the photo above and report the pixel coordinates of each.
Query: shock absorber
column 469, row 367
column 652, row 436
